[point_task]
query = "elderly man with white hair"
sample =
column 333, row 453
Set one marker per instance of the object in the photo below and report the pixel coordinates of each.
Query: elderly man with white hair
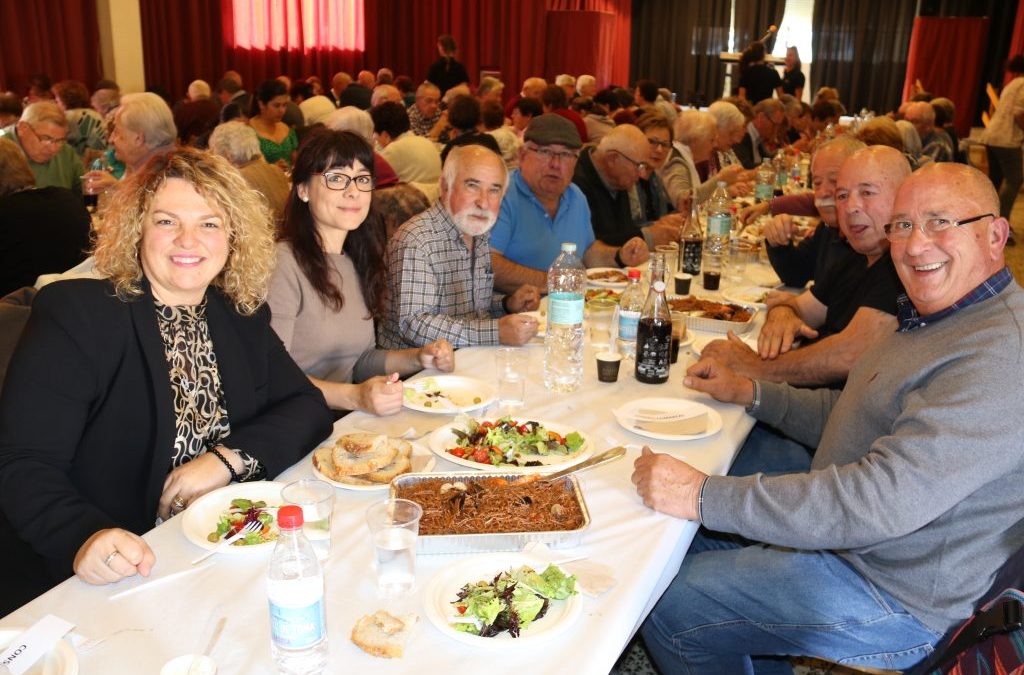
column 197, row 114
column 568, row 84
column 533, row 87
column 143, row 128
column 586, row 85
column 238, row 143
column 606, row 174
column 41, row 134
column 425, row 112
column 439, row 262
column 383, row 93
column 935, row 142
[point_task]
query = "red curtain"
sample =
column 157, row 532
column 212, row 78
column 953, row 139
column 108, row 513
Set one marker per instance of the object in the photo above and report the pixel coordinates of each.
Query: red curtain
column 953, row 73
column 1017, row 41
column 586, row 48
column 57, row 37
column 183, row 40
column 618, row 50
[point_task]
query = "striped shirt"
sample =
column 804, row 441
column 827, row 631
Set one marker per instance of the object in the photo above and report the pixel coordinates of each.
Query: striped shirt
column 419, row 124
column 437, row 287
column 909, row 318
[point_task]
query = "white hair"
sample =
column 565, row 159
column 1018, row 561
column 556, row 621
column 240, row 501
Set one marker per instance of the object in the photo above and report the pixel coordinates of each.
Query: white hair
column 351, row 118
column 148, row 114
column 489, row 84
column 564, row 80
column 315, row 109
column 383, row 93
column 459, row 154
column 198, row 89
column 727, row 115
column 44, row 111
column 584, row 81
column 693, row 125
column 235, row 141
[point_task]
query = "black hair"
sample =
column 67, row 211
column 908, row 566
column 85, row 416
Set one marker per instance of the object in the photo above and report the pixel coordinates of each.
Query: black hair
column 390, row 117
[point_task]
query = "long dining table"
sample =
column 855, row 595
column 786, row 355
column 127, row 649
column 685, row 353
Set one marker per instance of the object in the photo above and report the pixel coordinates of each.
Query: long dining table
column 137, row 625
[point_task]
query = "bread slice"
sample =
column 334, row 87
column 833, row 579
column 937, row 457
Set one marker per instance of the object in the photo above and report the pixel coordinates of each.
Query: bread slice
column 378, row 455
column 323, row 460
column 361, row 443
column 400, row 465
column 384, row 635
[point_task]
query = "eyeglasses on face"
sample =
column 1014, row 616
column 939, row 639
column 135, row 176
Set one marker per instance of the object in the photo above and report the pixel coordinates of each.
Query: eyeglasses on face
column 548, row 154
column 46, row 139
column 657, row 143
column 640, row 166
column 902, row 229
column 339, row 181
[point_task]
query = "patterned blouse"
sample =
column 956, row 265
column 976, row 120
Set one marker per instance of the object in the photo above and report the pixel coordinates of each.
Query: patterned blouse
column 201, row 420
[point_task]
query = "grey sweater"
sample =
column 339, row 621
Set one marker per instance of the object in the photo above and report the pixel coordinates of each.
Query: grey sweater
column 917, row 480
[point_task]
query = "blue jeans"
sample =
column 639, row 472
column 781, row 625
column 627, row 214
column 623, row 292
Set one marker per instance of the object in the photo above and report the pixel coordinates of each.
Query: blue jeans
column 768, row 451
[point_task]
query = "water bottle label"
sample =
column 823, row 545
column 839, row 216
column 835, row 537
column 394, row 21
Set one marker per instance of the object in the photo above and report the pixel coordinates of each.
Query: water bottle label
column 627, row 324
column 297, row 627
column 762, row 191
column 565, row 308
column 720, row 224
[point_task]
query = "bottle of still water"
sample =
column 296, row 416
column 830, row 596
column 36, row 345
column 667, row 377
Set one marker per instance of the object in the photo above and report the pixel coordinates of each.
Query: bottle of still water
column 765, row 185
column 295, row 588
column 716, row 242
column 631, row 304
column 563, row 343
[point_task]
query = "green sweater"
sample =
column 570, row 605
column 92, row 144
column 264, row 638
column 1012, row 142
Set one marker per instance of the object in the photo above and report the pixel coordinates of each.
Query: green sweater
column 917, row 478
column 64, row 170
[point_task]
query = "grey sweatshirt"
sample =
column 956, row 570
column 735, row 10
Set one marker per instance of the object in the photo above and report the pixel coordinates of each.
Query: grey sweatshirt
column 917, row 480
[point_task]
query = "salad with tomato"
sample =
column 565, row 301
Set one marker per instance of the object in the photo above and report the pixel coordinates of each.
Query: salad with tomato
column 505, row 442
column 238, row 515
column 511, row 601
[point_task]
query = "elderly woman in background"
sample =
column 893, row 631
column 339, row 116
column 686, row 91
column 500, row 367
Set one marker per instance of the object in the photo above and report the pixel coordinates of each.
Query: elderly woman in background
column 732, row 126
column 237, row 142
column 329, row 283
column 190, row 391
column 42, row 230
column 695, row 135
column 86, row 130
column 143, row 128
column 278, row 141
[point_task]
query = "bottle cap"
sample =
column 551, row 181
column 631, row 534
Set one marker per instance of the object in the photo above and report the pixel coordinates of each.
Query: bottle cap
column 633, row 274
column 569, row 247
column 289, row 517
column 659, row 286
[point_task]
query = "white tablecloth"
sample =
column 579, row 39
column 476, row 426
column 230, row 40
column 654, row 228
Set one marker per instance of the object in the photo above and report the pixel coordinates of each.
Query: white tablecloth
column 142, row 630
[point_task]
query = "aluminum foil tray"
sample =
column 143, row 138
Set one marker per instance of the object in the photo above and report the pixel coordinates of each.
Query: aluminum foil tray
column 503, row 541
column 719, row 326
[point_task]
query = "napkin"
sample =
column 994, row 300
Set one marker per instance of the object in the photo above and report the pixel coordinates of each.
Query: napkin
column 33, row 644
column 690, row 426
column 592, row 578
column 408, row 424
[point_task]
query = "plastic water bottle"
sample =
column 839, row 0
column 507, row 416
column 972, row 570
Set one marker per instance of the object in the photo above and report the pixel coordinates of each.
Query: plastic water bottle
column 765, row 181
column 631, row 304
column 716, row 242
column 295, row 588
column 563, row 344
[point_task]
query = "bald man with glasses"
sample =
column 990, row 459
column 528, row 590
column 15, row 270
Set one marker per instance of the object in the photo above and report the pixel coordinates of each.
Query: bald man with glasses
column 894, row 531
column 607, row 175
column 41, row 133
column 542, row 209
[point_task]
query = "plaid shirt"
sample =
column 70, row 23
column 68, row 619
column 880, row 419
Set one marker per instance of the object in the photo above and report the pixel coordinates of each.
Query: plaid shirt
column 437, row 287
column 421, row 125
column 909, row 318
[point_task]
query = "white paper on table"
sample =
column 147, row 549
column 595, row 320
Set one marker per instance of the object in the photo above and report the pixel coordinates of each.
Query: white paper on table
column 592, row 578
column 34, row 643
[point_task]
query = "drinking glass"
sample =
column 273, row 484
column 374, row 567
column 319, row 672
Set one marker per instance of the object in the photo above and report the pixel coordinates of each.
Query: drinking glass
column 600, row 314
column 671, row 253
column 316, row 499
column 394, row 525
column 512, row 366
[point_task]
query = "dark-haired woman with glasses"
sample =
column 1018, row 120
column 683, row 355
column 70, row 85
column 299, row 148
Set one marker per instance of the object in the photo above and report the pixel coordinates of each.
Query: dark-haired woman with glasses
column 329, row 283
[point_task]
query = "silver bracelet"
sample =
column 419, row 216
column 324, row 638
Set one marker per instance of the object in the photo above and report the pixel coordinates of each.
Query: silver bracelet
column 700, row 500
column 756, row 403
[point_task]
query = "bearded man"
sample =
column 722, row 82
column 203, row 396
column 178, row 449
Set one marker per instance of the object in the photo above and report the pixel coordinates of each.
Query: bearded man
column 440, row 283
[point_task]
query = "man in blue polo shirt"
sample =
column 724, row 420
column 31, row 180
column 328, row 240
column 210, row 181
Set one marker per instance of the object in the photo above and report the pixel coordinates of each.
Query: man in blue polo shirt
column 543, row 208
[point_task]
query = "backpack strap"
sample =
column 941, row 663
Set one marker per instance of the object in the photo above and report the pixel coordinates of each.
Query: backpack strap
column 1004, row 615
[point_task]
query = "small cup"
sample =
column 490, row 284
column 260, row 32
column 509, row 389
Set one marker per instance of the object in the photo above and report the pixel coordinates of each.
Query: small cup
column 683, row 281
column 601, row 312
column 394, row 525
column 608, row 366
column 316, row 499
column 671, row 253
column 512, row 367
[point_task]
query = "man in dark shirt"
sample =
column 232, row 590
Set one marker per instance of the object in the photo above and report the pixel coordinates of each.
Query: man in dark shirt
column 606, row 174
column 769, row 119
column 847, row 320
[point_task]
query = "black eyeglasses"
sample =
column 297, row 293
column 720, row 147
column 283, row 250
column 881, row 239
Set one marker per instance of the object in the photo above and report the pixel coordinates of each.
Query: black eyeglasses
column 659, row 144
column 547, row 154
column 640, row 166
column 339, row 181
column 902, row 229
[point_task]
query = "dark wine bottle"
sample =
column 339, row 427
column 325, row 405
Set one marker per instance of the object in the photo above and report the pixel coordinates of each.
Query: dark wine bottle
column 654, row 338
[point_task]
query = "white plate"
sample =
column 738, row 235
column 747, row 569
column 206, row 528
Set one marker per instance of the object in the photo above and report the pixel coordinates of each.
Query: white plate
column 442, row 590
column 443, row 438
column 669, row 405
column 763, row 275
column 747, row 295
column 200, row 518
column 459, row 390
column 606, row 284
column 422, row 462
column 60, row 660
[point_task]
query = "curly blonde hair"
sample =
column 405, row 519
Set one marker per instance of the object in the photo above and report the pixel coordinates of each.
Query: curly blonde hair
column 118, row 232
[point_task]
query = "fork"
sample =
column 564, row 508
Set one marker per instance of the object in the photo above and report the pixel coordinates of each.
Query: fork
column 254, row 526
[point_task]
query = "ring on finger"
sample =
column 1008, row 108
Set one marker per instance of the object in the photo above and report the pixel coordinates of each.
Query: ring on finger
column 106, row 561
column 178, row 504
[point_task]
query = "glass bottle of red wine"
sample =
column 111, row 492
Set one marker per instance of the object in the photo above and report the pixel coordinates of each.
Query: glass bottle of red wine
column 654, row 332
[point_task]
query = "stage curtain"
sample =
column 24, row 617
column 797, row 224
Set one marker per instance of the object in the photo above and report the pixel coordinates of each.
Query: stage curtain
column 677, row 45
column 182, row 41
column 587, row 45
column 503, row 35
column 752, row 20
column 617, row 51
column 57, row 37
column 862, row 51
column 1017, row 39
column 953, row 73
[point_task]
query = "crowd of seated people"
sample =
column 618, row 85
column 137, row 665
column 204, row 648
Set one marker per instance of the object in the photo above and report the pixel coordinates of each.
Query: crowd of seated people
column 301, row 246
